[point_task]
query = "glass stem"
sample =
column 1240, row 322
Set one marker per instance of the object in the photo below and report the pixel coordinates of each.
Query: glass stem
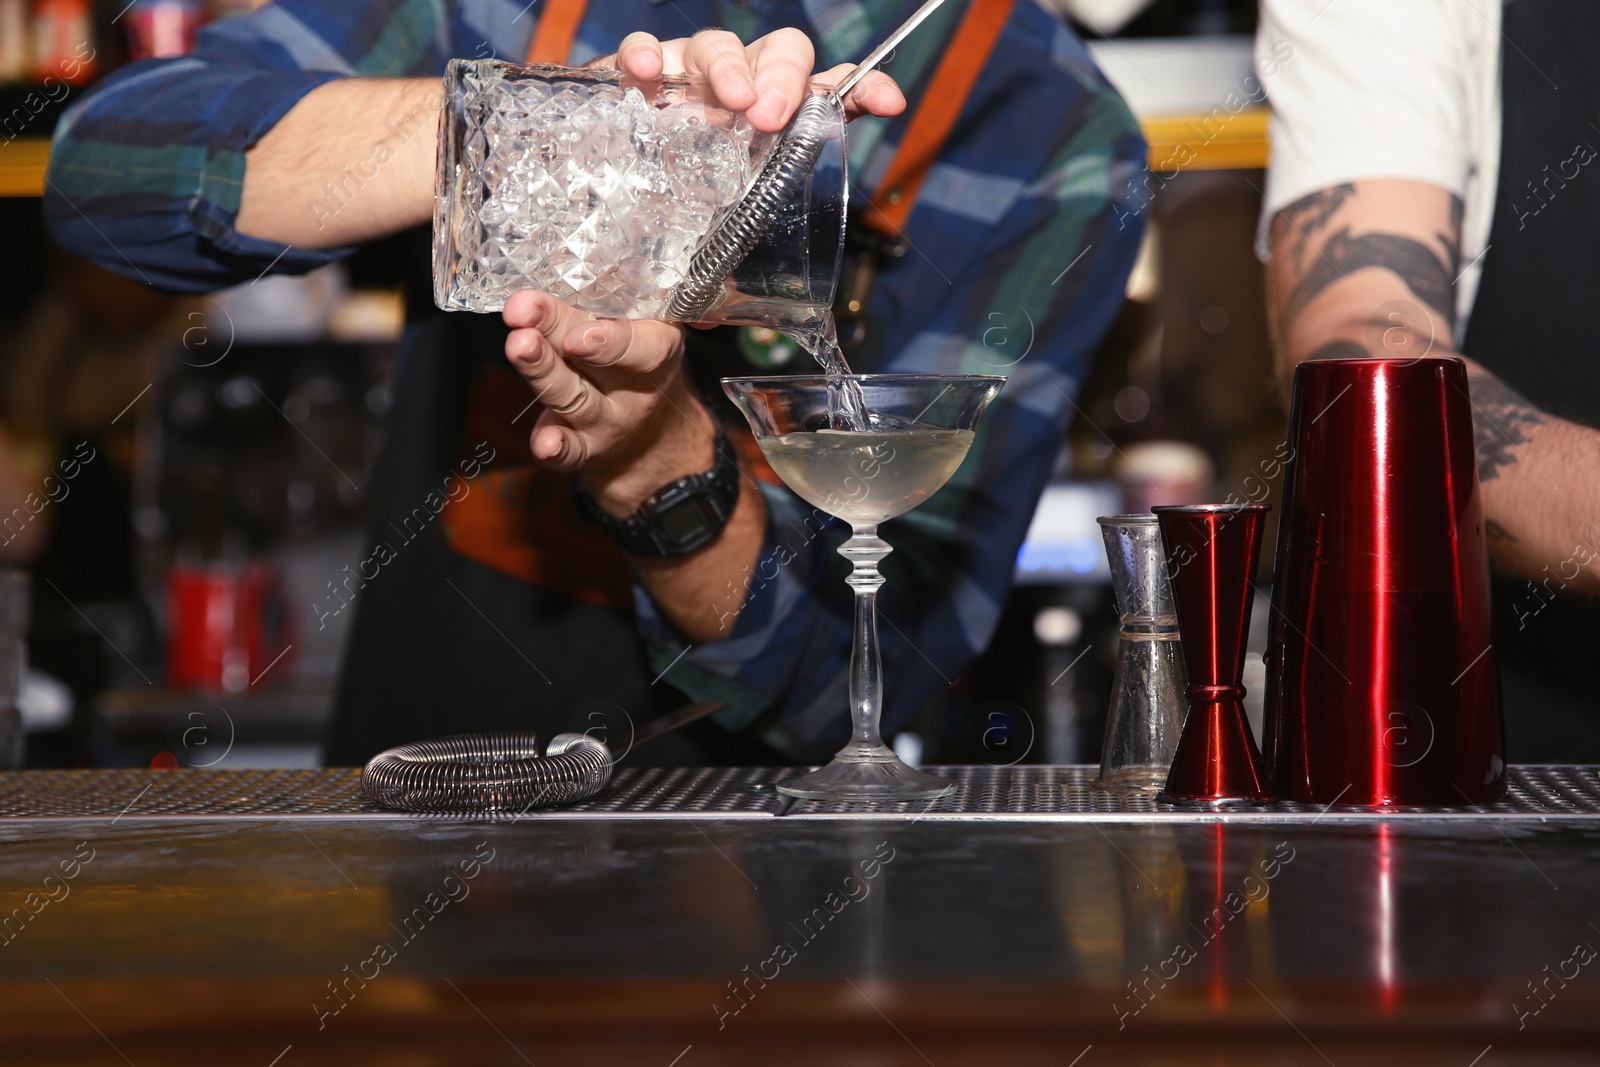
column 865, row 549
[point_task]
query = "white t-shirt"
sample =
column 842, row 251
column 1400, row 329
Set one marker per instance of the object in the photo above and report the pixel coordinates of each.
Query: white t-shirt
column 1369, row 89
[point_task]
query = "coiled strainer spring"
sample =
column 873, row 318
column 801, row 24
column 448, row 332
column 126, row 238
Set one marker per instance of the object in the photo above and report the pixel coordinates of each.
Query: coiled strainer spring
column 487, row 774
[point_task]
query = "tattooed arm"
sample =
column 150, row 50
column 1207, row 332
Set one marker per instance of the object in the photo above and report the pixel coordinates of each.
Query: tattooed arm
column 1369, row 269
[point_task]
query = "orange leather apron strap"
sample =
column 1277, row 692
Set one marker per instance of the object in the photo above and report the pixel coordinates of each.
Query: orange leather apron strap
column 557, row 29
column 936, row 115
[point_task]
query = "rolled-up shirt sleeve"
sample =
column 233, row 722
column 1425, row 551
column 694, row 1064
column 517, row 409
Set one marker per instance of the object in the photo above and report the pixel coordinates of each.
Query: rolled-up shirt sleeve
column 1366, row 90
column 146, row 171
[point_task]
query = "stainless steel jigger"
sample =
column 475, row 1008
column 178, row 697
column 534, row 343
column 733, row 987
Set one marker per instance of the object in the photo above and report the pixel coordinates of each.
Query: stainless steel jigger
column 1147, row 694
column 781, row 178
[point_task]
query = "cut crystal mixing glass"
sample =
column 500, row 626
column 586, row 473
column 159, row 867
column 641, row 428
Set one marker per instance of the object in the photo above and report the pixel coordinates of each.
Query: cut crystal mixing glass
column 920, row 428
column 633, row 199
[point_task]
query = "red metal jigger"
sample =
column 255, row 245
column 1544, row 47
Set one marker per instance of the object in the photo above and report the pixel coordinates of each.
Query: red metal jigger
column 1381, row 682
column 1211, row 556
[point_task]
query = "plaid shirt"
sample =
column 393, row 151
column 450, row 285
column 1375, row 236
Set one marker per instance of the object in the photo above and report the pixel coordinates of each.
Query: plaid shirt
column 1020, row 244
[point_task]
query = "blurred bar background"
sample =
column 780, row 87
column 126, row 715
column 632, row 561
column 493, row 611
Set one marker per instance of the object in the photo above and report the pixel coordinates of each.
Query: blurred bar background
column 188, row 605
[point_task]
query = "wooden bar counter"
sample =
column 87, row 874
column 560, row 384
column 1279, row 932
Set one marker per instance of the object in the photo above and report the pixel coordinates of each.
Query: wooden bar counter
column 276, row 919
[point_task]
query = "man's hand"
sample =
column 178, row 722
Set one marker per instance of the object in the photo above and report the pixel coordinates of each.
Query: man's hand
column 615, row 404
column 617, row 410
column 1369, row 269
column 354, row 159
column 767, row 81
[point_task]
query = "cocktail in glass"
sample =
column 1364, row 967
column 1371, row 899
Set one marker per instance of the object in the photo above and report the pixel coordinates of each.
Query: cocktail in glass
column 918, row 429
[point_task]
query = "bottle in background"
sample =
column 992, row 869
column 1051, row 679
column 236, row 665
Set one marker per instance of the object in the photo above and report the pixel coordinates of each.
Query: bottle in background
column 63, row 41
column 160, row 29
column 14, row 44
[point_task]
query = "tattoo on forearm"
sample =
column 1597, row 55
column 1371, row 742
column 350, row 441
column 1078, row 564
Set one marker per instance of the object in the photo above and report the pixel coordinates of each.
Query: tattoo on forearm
column 1501, row 419
column 1424, row 273
column 1430, row 272
column 1495, row 532
column 1308, row 215
column 1341, row 350
column 1452, row 241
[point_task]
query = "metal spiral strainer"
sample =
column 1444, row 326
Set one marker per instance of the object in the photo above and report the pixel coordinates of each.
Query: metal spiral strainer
column 781, row 179
column 487, row 774
column 498, row 774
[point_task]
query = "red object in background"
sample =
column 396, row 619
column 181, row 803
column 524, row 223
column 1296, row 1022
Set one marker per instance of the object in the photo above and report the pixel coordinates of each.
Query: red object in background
column 160, row 29
column 1211, row 552
column 226, row 624
column 63, row 41
column 1381, row 681
column 163, row 761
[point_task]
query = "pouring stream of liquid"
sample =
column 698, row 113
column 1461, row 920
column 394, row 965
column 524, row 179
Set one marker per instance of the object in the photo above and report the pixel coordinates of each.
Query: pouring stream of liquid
column 819, row 335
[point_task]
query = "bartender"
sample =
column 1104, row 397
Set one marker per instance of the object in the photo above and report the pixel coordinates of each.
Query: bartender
column 990, row 242
column 1430, row 194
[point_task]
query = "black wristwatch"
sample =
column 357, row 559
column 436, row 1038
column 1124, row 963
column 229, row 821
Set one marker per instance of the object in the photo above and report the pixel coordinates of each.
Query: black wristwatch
column 681, row 517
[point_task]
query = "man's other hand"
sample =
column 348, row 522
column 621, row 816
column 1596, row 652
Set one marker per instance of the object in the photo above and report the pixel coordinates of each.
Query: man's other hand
column 615, row 404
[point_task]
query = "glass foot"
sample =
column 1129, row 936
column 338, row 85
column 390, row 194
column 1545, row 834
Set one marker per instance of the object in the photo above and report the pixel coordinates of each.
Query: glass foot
column 1144, row 781
column 876, row 779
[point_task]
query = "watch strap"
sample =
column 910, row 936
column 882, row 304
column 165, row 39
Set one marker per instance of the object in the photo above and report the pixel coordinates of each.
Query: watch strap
column 679, row 518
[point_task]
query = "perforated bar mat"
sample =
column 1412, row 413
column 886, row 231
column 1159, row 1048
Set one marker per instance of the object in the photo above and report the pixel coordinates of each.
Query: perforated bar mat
column 1005, row 793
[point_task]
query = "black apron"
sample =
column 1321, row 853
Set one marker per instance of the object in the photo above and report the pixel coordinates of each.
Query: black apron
column 1532, row 325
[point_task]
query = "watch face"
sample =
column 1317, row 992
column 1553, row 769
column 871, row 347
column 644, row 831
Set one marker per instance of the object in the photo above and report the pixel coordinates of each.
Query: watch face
column 683, row 521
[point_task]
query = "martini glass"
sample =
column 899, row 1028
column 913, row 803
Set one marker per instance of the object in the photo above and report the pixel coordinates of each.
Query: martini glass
column 919, row 428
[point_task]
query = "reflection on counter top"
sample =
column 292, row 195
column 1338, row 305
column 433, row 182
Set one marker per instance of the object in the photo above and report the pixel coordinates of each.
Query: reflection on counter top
column 229, row 916
column 991, row 939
